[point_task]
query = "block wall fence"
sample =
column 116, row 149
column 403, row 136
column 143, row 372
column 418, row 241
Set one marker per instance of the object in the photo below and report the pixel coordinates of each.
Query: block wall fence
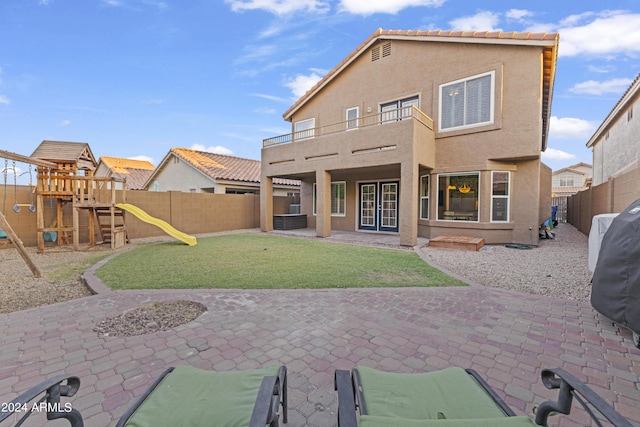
column 192, row 213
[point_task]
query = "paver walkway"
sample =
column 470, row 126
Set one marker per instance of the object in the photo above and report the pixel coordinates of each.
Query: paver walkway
column 507, row 336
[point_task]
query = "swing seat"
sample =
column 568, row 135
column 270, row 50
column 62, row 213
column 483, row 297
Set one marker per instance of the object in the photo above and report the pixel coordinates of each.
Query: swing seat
column 50, row 236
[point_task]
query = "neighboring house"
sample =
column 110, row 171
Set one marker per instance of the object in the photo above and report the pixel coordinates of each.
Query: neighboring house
column 195, row 171
column 616, row 142
column 568, row 181
column 133, row 172
column 565, row 183
column 424, row 133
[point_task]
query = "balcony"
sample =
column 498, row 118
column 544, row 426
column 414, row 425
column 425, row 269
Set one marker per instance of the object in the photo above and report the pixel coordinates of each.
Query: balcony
column 385, row 117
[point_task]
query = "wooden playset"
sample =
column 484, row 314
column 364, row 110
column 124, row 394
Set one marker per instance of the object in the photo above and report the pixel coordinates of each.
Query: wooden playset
column 65, row 176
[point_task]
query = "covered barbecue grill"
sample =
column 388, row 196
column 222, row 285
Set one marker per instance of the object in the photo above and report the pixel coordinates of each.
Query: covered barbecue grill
column 616, row 279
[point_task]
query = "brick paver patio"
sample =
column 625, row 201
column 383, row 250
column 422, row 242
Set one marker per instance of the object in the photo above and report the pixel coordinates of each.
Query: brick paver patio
column 506, row 336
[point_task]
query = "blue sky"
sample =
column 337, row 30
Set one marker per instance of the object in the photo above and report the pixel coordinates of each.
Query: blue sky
column 134, row 78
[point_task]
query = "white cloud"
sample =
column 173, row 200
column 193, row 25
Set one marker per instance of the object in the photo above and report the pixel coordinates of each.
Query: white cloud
column 279, row 7
column 217, row 149
column 518, row 14
column 65, row 123
column 553, row 154
column 360, row 7
column 4, row 100
column 271, row 97
column 44, row 2
column 265, row 110
column 481, row 21
column 592, row 87
column 609, row 33
column 601, row 68
column 570, row 128
column 300, row 84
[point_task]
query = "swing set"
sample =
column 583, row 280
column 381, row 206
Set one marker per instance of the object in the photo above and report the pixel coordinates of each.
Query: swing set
column 6, row 232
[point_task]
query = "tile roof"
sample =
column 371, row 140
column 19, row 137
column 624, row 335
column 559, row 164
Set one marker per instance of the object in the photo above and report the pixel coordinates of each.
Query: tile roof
column 222, row 167
column 66, row 152
column 547, row 40
column 136, row 172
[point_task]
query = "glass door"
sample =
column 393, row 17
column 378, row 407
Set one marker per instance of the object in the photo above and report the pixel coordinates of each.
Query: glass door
column 379, row 206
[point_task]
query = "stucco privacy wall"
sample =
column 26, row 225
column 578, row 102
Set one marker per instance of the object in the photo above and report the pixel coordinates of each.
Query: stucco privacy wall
column 193, row 213
column 609, row 197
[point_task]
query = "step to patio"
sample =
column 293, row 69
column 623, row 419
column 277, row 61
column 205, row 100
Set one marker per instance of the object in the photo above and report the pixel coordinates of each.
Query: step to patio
column 457, row 242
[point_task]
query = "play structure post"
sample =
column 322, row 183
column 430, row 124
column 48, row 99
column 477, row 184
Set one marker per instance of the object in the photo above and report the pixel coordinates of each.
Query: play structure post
column 4, row 224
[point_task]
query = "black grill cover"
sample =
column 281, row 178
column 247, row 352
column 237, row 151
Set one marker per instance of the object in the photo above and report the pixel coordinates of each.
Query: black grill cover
column 616, row 279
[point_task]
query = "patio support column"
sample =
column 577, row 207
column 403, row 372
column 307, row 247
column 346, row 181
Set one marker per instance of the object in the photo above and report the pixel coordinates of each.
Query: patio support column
column 408, row 211
column 323, row 203
column 266, row 203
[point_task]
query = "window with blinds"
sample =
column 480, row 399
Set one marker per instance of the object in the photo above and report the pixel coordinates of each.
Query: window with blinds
column 467, row 102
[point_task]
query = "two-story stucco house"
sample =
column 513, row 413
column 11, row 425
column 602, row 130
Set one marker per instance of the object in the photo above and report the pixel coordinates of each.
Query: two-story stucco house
column 424, row 133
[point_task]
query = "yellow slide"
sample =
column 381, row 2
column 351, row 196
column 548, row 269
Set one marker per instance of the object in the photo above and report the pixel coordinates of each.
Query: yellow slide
column 166, row 227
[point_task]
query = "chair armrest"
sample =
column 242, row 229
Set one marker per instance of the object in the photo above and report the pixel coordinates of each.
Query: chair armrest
column 491, row 392
column 51, row 389
column 346, row 399
column 569, row 386
column 267, row 401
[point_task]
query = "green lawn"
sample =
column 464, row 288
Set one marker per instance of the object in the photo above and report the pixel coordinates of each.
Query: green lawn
column 260, row 261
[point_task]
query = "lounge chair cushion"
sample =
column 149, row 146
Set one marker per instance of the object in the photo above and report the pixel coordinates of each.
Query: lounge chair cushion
column 448, row 393
column 374, row 421
column 190, row 397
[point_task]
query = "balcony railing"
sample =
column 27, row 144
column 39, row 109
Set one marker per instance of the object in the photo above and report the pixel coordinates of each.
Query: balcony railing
column 384, row 117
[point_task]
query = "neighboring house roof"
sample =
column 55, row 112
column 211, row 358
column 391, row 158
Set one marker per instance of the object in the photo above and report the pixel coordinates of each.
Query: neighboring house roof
column 78, row 153
column 135, row 172
column 573, row 169
column 620, row 106
column 220, row 167
column 566, row 191
column 547, row 40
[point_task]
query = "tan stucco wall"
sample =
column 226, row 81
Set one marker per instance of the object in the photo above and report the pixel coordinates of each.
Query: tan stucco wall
column 511, row 143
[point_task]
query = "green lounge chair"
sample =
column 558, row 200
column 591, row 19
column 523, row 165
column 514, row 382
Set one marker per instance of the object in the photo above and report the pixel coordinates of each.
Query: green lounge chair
column 451, row 397
column 190, row 397
column 182, row 396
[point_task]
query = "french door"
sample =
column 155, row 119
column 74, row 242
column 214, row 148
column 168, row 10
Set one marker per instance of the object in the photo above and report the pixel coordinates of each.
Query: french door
column 378, row 208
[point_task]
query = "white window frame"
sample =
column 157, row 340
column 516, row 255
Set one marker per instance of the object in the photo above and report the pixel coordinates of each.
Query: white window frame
column 299, row 128
column 442, row 94
column 353, row 123
column 501, row 196
column 424, row 195
column 334, row 186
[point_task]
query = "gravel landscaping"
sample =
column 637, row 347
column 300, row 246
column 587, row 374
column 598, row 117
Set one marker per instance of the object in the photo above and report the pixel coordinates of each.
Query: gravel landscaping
column 556, row 268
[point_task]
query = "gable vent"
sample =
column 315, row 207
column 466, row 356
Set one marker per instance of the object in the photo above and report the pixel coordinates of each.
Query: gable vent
column 386, row 49
column 375, row 53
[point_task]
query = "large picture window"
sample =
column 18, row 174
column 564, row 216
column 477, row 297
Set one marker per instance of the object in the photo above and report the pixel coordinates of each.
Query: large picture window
column 338, row 198
column 424, row 197
column 500, row 196
column 467, row 102
column 458, row 196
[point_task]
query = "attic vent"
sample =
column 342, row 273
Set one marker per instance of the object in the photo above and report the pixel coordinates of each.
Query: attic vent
column 386, row 49
column 375, row 53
